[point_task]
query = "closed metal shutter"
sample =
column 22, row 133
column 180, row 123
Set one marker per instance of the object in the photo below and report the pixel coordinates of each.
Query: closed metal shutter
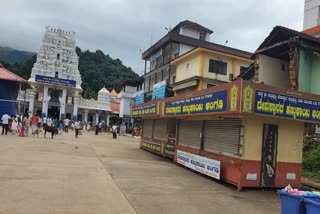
column 222, row 136
column 159, row 131
column 147, row 128
column 189, row 133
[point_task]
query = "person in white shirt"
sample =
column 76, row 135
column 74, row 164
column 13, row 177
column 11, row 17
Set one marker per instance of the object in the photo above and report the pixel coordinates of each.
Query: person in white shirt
column 39, row 122
column 5, row 121
column 66, row 123
column 44, row 121
column 49, row 121
column 114, row 131
column 77, row 127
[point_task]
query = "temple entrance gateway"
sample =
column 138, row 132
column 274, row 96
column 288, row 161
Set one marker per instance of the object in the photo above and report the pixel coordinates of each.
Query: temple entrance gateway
column 54, row 112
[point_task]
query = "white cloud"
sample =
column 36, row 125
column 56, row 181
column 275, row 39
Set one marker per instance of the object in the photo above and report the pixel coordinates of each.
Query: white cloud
column 121, row 27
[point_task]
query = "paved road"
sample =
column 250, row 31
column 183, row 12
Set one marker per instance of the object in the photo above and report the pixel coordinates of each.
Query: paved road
column 96, row 174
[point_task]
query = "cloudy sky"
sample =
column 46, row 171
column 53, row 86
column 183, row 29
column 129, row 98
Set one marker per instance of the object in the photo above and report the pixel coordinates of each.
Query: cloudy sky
column 121, row 28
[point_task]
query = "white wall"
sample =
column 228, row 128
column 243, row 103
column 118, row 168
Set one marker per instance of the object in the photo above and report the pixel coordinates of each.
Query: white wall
column 130, row 89
column 311, row 14
column 125, row 106
column 189, row 32
column 271, row 73
column 185, row 48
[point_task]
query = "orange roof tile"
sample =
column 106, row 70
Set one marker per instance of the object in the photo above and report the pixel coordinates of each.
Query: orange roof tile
column 113, row 93
column 8, row 75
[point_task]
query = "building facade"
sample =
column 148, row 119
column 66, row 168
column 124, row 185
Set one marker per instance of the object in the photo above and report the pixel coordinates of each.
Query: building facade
column 56, row 84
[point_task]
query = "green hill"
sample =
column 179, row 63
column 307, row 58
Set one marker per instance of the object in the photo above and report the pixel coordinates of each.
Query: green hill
column 12, row 56
column 96, row 69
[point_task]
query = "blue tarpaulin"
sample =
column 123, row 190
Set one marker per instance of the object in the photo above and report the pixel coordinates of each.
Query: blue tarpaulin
column 8, row 97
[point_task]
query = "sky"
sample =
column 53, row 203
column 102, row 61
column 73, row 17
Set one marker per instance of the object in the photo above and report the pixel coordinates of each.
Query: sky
column 124, row 28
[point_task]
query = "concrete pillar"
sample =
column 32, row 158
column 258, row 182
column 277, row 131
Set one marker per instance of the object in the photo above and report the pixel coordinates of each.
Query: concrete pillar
column 32, row 95
column 86, row 115
column 62, row 101
column 75, row 107
column 108, row 118
column 45, row 102
column 97, row 117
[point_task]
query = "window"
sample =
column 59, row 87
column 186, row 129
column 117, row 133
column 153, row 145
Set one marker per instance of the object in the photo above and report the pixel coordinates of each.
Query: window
column 242, row 69
column 173, row 79
column 202, row 36
column 155, row 78
column 58, row 56
column 218, row 67
column 161, row 75
column 56, row 75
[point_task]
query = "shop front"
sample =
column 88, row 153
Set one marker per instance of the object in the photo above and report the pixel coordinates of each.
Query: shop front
column 250, row 135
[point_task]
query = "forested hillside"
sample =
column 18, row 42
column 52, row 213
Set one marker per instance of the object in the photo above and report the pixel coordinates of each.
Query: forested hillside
column 96, row 69
column 12, row 56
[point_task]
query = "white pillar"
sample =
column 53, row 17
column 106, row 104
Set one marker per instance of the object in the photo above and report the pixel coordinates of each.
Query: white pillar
column 62, row 101
column 97, row 118
column 75, row 107
column 45, row 102
column 86, row 115
column 32, row 95
column 108, row 118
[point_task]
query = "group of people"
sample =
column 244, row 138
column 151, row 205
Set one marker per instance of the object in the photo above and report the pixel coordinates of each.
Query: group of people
column 21, row 125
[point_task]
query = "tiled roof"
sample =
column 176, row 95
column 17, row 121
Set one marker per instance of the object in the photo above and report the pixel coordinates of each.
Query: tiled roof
column 8, row 75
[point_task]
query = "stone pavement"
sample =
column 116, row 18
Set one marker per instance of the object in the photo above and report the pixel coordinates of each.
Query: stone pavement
column 96, row 174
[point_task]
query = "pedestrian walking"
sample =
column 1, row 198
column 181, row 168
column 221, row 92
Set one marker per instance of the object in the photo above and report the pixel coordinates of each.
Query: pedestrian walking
column 34, row 122
column 5, row 122
column 14, row 125
column 26, row 122
column 60, row 127
column 114, row 131
column 66, row 123
column 76, row 128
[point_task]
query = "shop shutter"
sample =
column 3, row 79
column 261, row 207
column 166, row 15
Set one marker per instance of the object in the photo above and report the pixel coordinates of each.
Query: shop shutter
column 222, row 136
column 189, row 133
column 147, row 128
column 159, row 131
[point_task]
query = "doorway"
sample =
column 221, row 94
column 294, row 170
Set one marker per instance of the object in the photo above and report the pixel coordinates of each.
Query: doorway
column 269, row 155
column 54, row 112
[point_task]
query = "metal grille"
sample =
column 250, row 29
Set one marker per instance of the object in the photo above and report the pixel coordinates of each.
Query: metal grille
column 159, row 131
column 222, row 136
column 189, row 133
column 147, row 128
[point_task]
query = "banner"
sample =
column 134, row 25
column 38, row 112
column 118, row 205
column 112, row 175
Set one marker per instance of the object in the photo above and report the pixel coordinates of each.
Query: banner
column 200, row 164
column 139, row 97
column 279, row 105
column 207, row 103
column 145, row 110
column 55, row 81
column 169, row 150
column 156, row 147
column 159, row 90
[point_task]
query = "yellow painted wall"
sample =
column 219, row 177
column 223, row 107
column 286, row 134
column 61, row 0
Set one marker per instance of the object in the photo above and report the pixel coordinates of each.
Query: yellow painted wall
column 290, row 138
column 227, row 59
column 182, row 72
column 233, row 66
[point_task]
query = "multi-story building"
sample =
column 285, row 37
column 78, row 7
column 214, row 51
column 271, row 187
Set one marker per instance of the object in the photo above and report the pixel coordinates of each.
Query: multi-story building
column 181, row 39
column 311, row 19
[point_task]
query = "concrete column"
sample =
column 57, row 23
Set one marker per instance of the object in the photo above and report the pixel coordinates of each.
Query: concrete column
column 62, row 101
column 86, row 111
column 97, row 118
column 108, row 118
column 32, row 95
column 75, row 107
column 45, row 102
